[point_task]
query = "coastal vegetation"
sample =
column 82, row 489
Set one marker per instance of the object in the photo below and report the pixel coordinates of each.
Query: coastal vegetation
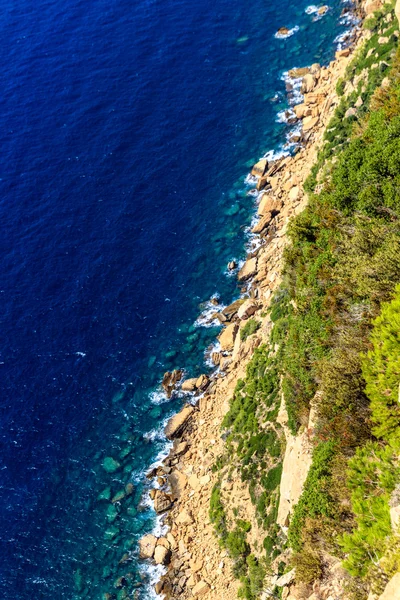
column 334, row 350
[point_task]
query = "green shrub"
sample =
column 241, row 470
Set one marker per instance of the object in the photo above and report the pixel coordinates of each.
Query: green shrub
column 250, row 327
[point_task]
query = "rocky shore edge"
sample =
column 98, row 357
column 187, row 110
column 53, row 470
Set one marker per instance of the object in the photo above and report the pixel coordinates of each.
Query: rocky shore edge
column 193, row 562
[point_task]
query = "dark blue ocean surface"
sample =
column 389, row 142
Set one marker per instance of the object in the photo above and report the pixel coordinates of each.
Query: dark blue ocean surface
column 127, row 129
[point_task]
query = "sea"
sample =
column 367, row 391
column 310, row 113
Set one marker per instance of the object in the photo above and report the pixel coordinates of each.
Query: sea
column 127, row 131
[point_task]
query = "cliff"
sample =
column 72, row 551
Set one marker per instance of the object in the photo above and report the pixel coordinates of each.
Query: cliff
column 284, row 477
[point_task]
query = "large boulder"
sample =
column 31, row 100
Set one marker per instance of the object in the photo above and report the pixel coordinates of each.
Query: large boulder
column 248, row 308
column 162, row 555
column 262, row 223
column 200, row 589
column 177, row 423
column 227, row 337
column 170, row 380
column 260, row 168
column 147, row 546
column 162, row 501
column 189, row 385
column 371, row 6
column 177, row 482
column 248, row 270
column 231, row 310
column 308, row 83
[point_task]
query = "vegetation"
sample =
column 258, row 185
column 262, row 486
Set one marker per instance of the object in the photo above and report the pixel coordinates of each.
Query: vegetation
column 250, row 327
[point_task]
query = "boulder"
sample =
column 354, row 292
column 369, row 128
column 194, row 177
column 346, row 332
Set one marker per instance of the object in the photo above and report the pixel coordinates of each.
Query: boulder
column 397, row 10
column 177, row 423
column 308, row 83
column 110, row 465
column 323, row 10
column 147, row 546
column 286, row 579
column 302, row 110
column 262, row 223
column 342, row 53
column 170, row 380
column 162, row 501
column 177, row 482
column 231, row 310
column 189, row 385
column 350, row 112
column 392, row 590
column 227, row 337
column 294, row 193
column 371, row 6
column 202, row 382
column 309, row 123
column 297, row 73
column 248, row 270
column 260, row 168
column 232, row 265
column 267, row 205
column 248, row 308
column 185, row 517
column 200, row 589
column 162, row 555
column 283, row 31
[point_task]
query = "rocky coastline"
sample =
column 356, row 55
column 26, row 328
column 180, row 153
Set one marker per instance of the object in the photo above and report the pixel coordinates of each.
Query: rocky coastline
column 195, row 566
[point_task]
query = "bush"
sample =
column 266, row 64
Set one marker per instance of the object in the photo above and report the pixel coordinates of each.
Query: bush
column 251, row 327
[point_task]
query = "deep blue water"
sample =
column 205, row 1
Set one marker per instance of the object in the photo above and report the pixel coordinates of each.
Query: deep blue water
column 127, row 129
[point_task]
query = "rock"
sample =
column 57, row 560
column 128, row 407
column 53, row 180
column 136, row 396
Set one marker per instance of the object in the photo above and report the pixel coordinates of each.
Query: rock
column 294, row 193
column 105, row 495
column 227, row 337
column 383, row 40
column 232, row 265
column 323, row 10
column 180, row 448
column 200, row 589
column 394, row 505
column 118, row 496
column 248, row 270
column 371, row 6
column 202, row 382
column 286, row 579
column 185, row 517
column 177, row 481
column 297, row 73
column 147, row 546
column 162, row 555
column 359, row 102
column 392, row 590
column 310, row 123
column 268, row 204
column 397, row 10
column 350, row 112
column 170, row 380
column 262, row 223
column 232, row 309
column 283, row 31
column 177, row 423
column 110, row 464
column 216, row 358
column 302, row 110
column 308, row 83
column 262, row 183
column 260, row 168
column 248, row 308
column 342, row 53
column 189, row 385
column 162, row 501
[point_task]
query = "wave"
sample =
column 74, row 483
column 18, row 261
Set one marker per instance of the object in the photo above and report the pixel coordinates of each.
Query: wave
column 287, row 34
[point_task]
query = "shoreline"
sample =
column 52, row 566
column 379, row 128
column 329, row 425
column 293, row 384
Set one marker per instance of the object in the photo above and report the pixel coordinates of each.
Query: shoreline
column 194, row 563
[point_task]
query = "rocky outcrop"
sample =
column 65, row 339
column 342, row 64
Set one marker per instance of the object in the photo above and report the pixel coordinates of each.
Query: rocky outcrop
column 170, row 380
column 227, row 337
column 147, row 546
column 248, row 270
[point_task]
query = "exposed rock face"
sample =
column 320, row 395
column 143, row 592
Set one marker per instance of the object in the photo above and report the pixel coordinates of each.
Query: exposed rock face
column 392, row 590
column 232, row 309
column 260, row 168
column 308, row 83
column 177, row 423
column 268, row 204
column 262, row 223
column 227, row 337
column 248, row 270
column 147, row 546
column 200, row 589
column 170, row 380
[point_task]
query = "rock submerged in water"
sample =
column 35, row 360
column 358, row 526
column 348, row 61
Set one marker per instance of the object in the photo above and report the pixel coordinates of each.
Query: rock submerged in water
column 170, row 380
column 110, row 465
column 260, row 168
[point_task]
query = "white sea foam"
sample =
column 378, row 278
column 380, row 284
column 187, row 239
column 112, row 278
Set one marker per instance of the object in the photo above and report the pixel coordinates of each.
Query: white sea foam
column 341, row 39
column 284, row 116
column 250, row 180
column 216, row 347
column 153, row 574
column 159, row 396
column 205, row 318
column 294, row 93
column 282, row 36
column 310, row 10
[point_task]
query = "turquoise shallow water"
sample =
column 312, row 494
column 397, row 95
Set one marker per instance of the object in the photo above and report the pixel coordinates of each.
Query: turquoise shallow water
column 127, row 132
